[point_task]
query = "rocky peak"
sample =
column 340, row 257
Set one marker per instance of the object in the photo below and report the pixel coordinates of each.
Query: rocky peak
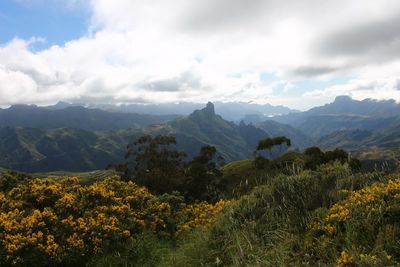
column 209, row 109
column 343, row 99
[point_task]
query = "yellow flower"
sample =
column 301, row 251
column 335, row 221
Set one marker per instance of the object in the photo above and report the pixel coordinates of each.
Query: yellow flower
column 344, row 259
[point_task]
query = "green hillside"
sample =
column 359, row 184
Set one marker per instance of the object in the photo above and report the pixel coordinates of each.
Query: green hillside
column 84, row 177
column 231, row 140
column 76, row 117
column 386, row 138
column 32, row 150
column 66, row 149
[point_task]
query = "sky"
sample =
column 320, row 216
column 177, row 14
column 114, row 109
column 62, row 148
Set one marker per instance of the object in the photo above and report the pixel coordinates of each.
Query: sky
column 299, row 53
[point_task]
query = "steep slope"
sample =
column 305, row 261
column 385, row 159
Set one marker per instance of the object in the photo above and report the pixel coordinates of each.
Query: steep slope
column 75, row 117
column 347, row 139
column 66, row 149
column 318, row 126
column 233, row 141
column 378, row 149
column 33, row 150
column 388, row 138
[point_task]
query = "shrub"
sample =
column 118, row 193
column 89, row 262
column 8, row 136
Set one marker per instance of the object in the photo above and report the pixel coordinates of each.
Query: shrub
column 47, row 222
column 365, row 226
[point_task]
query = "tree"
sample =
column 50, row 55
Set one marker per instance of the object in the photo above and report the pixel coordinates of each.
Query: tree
column 10, row 179
column 153, row 162
column 203, row 173
column 315, row 156
column 268, row 144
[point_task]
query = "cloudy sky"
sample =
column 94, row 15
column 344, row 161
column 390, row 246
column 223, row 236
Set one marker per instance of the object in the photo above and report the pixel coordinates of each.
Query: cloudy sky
column 296, row 53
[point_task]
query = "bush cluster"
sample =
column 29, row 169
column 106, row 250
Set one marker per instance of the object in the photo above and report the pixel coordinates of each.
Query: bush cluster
column 48, row 222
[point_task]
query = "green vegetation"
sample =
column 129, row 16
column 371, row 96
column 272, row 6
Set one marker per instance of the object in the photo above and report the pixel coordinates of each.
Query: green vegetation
column 62, row 223
column 273, row 128
column 154, row 162
column 274, row 225
column 77, row 150
column 75, row 117
column 269, row 144
column 315, row 208
column 84, row 177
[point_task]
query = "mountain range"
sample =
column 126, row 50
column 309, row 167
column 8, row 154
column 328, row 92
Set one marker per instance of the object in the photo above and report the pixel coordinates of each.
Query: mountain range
column 76, row 138
column 76, row 117
column 344, row 114
column 231, row 111
column 34, row 149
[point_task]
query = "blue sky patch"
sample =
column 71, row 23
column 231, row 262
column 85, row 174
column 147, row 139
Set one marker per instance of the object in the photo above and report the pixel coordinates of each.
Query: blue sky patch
column 267, row 76
column 55, row 23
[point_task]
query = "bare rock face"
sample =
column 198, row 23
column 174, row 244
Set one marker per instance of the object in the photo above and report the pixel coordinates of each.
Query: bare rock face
column 209, row 109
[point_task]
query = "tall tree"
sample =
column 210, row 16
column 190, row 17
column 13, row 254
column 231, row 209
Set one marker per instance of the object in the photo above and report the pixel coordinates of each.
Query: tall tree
column 155, row 163
column 268, row 144
column 203, row 174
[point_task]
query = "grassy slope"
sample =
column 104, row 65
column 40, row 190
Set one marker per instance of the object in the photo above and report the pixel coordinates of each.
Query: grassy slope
column 84, row 177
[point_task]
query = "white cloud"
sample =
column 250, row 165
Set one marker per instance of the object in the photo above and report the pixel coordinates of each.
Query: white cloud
column 170, row 50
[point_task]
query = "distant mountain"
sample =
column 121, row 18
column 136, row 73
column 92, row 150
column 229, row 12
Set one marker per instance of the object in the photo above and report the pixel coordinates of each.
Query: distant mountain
column 388, row 138
column 344, row 105
column 233, row 141
column 318, row 126
column 33, row 150
column 38, row 150
column 346, row 139
column 367, row 107
column 379, row 149
column 66, row 116
column 253, row 119
column 298, row 138
column 75, row 138
column 344, row 114
column 231, row 111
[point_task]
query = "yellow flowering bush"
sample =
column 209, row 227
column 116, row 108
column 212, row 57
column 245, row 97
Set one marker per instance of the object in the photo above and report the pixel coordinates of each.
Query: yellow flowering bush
column 201, row 214
column 361, row 259
column 344, row 260
column 366, row 221
column 48, row 222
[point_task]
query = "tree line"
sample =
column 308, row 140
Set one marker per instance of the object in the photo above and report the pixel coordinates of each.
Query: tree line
column 154, row 162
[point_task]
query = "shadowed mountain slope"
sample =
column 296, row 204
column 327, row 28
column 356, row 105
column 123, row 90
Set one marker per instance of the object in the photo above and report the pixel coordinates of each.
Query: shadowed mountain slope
column 66, row 149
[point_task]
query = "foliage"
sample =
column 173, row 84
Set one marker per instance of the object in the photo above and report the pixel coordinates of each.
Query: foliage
column 362, row 229
column 10, row 179
column 46, row 222
column 194, row 215
column 203, row 174
column 283, row 215
column 152, row 162
column 270, row 225
column 317, row 157
column 268, row 144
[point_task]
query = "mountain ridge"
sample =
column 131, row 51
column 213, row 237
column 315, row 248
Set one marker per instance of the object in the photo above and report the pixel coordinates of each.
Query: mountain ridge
column 75, row 117
column 38, row 150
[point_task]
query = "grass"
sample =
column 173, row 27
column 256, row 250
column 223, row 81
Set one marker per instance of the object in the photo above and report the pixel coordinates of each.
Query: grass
column 238, row 167
column 266, row 225
column 84, row 177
